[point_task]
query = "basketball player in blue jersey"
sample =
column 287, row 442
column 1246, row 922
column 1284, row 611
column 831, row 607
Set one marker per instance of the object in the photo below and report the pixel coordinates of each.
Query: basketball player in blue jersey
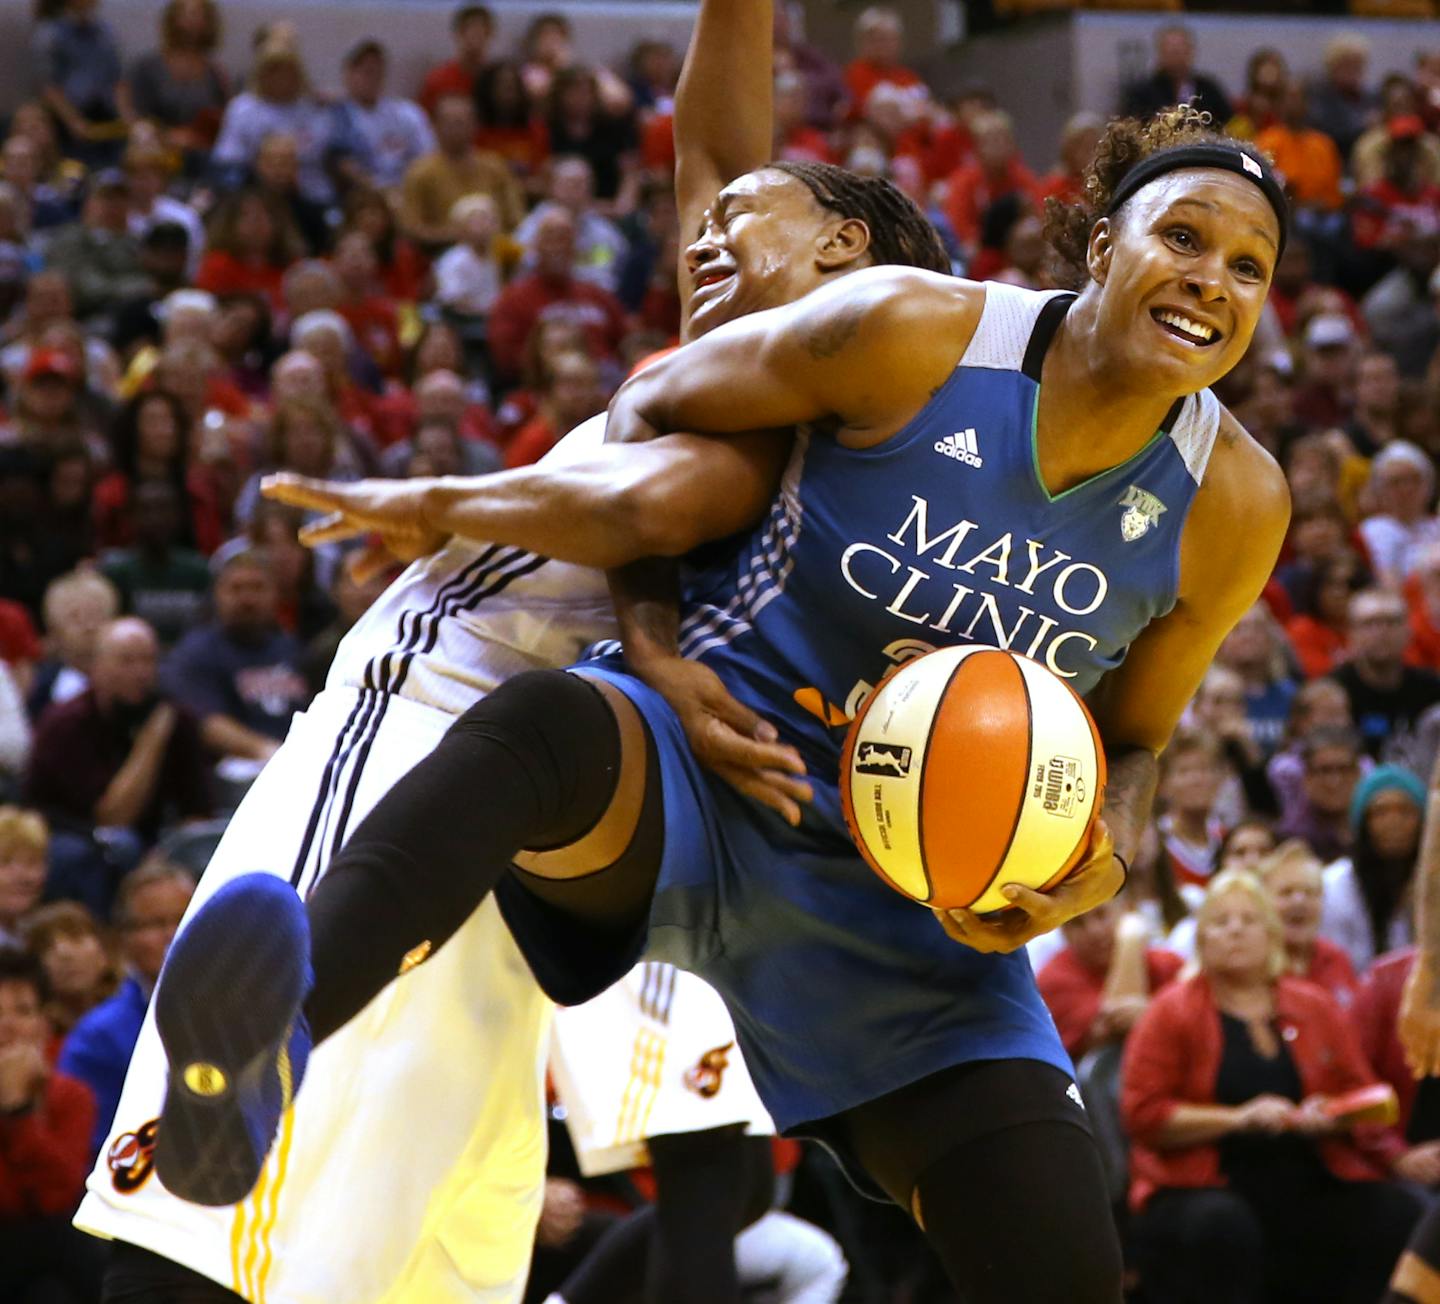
column 1047, row 472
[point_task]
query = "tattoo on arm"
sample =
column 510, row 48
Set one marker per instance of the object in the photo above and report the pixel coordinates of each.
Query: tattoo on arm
column 831, row 336
column 1129, row 794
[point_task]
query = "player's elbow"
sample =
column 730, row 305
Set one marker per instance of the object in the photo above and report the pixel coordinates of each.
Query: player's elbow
column 646, row 516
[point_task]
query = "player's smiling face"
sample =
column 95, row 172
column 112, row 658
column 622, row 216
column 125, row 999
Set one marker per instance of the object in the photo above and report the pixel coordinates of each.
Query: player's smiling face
column 1186, row 274
column 765, row 242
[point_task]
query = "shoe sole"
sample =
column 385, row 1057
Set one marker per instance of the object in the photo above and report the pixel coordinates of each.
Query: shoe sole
column 229, row 995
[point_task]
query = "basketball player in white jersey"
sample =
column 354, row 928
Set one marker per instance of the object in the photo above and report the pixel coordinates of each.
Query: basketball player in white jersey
column 359, row 1204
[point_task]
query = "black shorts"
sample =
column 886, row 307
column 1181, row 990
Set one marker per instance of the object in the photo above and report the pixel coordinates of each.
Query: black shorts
column 137, row 1276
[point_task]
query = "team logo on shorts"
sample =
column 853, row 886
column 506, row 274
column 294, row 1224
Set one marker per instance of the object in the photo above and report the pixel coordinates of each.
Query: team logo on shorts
column 131, row 1158
column 704, row 1077
column 882, row 758
column 1142, row 510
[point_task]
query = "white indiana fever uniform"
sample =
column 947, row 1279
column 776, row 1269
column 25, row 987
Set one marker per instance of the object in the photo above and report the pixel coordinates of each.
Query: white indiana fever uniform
column 411, row 1169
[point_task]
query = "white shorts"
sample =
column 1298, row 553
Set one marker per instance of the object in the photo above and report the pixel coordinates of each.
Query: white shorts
column 412, row 1166
column 652, row 1055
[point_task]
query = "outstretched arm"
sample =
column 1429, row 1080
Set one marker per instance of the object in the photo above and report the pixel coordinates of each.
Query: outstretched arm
column 1419, row 1022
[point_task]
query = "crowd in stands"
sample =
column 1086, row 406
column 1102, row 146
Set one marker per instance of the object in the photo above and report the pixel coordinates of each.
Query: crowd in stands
column 208, row 274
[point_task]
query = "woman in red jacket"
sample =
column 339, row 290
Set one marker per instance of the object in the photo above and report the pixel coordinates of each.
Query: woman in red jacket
column 1245, row 1188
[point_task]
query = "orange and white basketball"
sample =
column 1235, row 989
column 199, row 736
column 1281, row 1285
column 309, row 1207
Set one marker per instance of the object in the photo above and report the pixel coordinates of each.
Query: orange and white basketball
column 970, row 768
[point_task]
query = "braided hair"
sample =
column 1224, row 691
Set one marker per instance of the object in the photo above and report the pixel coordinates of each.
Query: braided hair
column 900, row 234
column 1126, row 141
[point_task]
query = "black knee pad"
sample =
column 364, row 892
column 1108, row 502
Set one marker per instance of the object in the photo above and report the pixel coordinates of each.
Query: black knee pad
column 561, row 733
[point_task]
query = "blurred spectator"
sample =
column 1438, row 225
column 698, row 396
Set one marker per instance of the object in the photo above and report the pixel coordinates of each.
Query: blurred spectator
column 1294, row 881
column 302, row 575
column 433, row 184
column 580, row 123
column 30, row 558
column 1400, row 204
column 1190, row 777
column 1218, row 708
column 1368, row 903
column 1399, row 98
column 1386, row 696
column 879, row 38
column 163, row 582
column 241, row 674
column 49, row 414
column 1256, row 650
column 326, row 335
column 24, row 845
column 46, row 1119
column 1307, row 158
column 1340, row 103
column 1102, row 981
column 1242, row 1182
column 441, row 395
column 552, row 290
column 304, row 437
column 824, row 83
column 77, row 606
column 48, row 303
column 97, row 1052
column 996, row 172
column 1422, row 595
column 1375, row 418
column 1400, row 308
column 79, row 970
column 276, row 176
column 151, row 440
column 252, row 242
column 571, row 394
column 1319, row 631
column 98, row 256
column 599, row 247
column 402, row 266
column 1326, row 391
column 278, row 101
column 113, row 766
column 14, row 736
column 654, row 68
column 44, row 205
column 386, row 133
column 1267, row 76
column 508, row 125
column 373, row 317
column 1175, row 81
column 148, row 173
column 796, row 139
column 471, row 273
column 1319, row 813
column 164, row 258
column 549, row 53
column 78, row 64
column 1375, row 1015
column 1078, row 140
column 181, row 86
column 351, row 599
column 471, row 28
column 1403, row 479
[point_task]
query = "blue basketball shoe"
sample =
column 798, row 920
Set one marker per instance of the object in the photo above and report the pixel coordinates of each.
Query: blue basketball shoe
column 228, row 1010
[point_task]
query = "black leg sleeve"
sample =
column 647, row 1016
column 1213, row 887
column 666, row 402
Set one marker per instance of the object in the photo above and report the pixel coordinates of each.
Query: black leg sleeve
column 532, row 765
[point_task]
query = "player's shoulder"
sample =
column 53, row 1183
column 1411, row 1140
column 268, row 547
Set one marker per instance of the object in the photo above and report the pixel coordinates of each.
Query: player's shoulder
column 1242, row 482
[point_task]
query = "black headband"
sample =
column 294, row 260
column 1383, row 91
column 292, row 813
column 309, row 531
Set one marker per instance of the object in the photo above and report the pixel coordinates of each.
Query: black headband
column 1227, row 158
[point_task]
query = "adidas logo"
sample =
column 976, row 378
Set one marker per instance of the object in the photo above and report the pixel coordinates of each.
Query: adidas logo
column 962, row 446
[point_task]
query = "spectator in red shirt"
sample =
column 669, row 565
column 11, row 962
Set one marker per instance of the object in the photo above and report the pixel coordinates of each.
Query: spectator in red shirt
column 1319, row 632
column 1402, row 204
column 1294, row 880
column 1077, row 148
column 252, row 242
column 1242, row 1181
column 45, row 1123
column 371, row 313
column 997, row 171
column 571, row 394
column 402, row 266
column 471, row 29
column 1102, row 981
column 1375, row 1015
column 552, row 290
column 879, row 43
column 507, row 124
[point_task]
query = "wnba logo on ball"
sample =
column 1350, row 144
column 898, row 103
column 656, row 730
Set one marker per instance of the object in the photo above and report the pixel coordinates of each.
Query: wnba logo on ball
column 1059, row 785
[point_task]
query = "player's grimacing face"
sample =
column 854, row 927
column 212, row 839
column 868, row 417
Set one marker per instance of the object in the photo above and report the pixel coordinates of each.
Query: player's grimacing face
column 1188, row 270
column 754, row 250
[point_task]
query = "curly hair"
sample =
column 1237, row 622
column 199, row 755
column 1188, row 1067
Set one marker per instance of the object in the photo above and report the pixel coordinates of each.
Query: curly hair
column 1126, row 141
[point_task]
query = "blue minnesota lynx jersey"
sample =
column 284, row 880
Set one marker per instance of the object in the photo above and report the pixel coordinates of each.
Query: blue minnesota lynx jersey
column 946, row 534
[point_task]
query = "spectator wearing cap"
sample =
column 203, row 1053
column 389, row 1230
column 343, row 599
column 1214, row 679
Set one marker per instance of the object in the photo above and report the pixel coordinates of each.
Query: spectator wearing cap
column 181, row 87
column 46, row 1122
column 115, row 766
column 97, row 255
column 879, row 38
column 139, row 322
column 78, row 61
column 997, row 171
column 1403, row 479
column 471, row 29
column 599, row 247
column 1367, row 904
column 148, row 171
column 1325, row 394
column 1387, row 696
column 1399, row 98
column 278, row 101
column 1400, row 204
column 241, row 674
column 1341, row 105
column 433, row 184
column 385, row 133
column 1175, row 80
column 47, row 414
column 552, row 290
column 148, row 910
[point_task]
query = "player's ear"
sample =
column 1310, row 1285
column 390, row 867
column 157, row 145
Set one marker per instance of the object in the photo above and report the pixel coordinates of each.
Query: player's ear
column 1100, row 249
column 843, row 244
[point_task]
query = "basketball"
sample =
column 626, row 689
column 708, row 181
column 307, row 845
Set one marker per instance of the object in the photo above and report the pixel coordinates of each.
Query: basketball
column 970, row 768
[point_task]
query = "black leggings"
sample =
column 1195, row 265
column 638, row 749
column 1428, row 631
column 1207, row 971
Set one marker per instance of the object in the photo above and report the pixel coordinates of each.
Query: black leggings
column 535, row 765
column 1416, row 1279
column 137, row 1276
column 709, row 1187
